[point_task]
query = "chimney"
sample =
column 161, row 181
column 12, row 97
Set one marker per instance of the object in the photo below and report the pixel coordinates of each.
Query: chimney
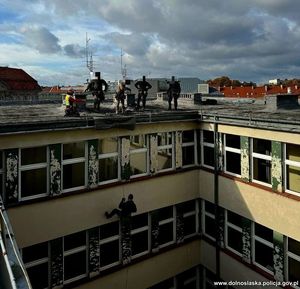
column 296, row 86
column 281, row 86
column 289, row 90
column 266, row 88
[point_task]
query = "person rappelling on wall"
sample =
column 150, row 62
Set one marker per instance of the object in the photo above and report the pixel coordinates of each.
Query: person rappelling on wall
column 142, row 86
column 96, row 87
column 126, row 208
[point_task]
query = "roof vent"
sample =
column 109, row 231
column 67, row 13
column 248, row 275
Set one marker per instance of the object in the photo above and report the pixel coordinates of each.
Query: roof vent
column 282, row 101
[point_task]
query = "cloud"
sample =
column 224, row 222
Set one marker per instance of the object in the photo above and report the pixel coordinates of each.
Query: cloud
column 41, row 39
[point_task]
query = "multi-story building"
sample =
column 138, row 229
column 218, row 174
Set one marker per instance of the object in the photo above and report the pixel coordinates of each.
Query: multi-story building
column 216, row 187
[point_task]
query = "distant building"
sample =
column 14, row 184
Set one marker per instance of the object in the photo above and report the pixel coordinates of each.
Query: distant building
column 16, row 84
column 274, row 81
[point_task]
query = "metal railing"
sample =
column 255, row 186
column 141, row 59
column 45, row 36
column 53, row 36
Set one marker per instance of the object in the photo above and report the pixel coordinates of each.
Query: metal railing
column 13, row 274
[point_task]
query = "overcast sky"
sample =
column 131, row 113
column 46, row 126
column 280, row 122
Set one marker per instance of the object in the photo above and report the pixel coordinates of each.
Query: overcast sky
column 253, row 40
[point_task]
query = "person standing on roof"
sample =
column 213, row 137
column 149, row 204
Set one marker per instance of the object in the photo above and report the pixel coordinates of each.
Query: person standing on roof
column 126, row 208
column 142, row 86
column 120, row 96
column 173, row 92
column 96, row 87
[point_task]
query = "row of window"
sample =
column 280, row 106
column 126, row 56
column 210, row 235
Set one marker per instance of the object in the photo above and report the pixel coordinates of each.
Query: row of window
column 76, row 248
column 76, row 252
column 34, row 179
column 262, row 245
column 260, row 161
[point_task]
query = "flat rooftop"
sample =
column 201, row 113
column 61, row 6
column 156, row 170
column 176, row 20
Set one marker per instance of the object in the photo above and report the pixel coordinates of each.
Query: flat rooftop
column 36, row 117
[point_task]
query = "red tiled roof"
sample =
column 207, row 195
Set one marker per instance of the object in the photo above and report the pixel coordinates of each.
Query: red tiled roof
column 256, row 92
column 17, row 79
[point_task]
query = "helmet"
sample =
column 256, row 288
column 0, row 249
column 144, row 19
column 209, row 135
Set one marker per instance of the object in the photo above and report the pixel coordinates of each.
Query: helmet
column 70, row 91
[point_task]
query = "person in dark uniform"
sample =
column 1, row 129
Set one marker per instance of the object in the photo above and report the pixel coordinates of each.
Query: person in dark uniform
column 96, row 87
column 142, row 86
column 173, row 92
column 126, row 208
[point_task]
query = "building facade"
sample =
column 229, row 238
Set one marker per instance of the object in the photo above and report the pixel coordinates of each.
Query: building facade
column 217, row 195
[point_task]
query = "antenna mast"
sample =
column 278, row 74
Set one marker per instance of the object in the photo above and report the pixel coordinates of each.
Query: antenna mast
column 123, row 69
column 88, row 55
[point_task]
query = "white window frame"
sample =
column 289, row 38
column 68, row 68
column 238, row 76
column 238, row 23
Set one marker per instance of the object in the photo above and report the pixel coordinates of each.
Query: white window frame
column 72, row 162
column 111, row 155
column 205, row 144
column 195, row 214
column 71, row 252
column 263, row 241
column 288, row 255
column 31, row 167
column 287, row 163
column 262, row 157
column 169, row 146
column 40, row 262
column 234, row 227
column 139, row 230
column 189, row 144
column 108, row 240
column 204, row 214
column 140, row 150
column 167, row 221
column 232, row 150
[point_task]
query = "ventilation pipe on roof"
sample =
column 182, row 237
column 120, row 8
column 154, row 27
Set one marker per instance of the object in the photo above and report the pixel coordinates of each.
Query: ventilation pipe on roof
column 289, row 90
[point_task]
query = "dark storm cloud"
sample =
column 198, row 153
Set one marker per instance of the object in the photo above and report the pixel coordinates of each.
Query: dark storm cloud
column 75, row 51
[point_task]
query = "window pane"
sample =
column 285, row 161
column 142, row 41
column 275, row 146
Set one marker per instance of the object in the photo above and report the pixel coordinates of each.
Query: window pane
column 33, row 182
column 74, row 240
column 293, row 152
column 188, row 155
column 264, row 232
column 73, row 150
column 188, row 136
column 109, row 230
column 262, row 146
column 75, row 265
column 33, row 155
column 233, row 163
column 108, row 145
column 139, row 221
column 233, row 141
column 234, row 219
column 165, row 233
column 209, row 156
column 294, row 246
column 109, row 253
column 293, row 178
column 138, row 141
column 186, row 207
column 138, row 163
column 164, row 138
column 264, row 255
column 108, row 169
column 294, row 270
column 209, row 208
column 189, row 225
column 139, row 242
column 164, row 159
column 234, row 239
column 208, row 136
column 210, row 227
column 38, row 276
column 262, row 170
column 165, row 213
column 73, row 175
column 35, row 252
